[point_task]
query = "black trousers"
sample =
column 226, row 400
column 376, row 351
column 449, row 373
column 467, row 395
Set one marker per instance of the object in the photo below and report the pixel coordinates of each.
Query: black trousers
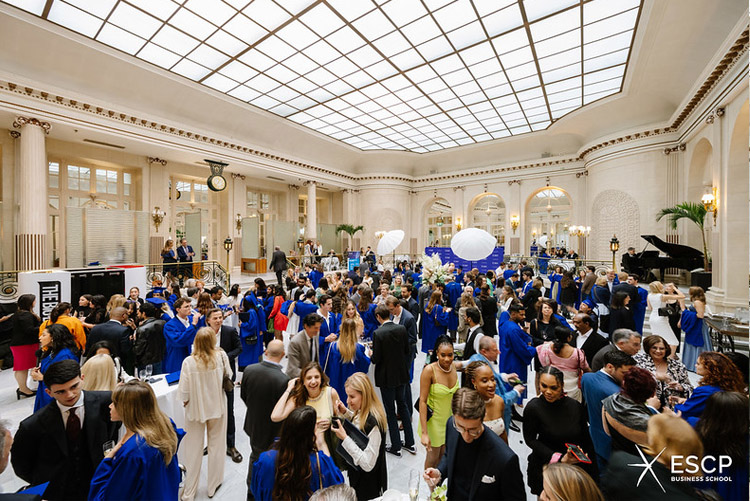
column 278, row 277
column 230, row 419
column 394, row 400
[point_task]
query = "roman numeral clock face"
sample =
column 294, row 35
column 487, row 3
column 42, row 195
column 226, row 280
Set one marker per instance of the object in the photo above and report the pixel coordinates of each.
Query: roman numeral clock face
column 216, row 183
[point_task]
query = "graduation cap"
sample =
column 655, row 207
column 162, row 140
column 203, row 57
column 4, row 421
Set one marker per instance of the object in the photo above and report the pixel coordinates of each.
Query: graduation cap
column 158, row 301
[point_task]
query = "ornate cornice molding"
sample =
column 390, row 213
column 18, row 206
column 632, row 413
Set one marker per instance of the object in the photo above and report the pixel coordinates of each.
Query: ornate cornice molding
column 156, row 160
column 14, row 134
column 21, row 121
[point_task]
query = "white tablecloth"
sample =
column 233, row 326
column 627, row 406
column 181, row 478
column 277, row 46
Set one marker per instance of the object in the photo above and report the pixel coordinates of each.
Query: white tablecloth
column 169, row 401
column 330, row 263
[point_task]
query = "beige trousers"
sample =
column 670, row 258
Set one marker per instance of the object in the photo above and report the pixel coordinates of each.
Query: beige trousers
column 191, row 454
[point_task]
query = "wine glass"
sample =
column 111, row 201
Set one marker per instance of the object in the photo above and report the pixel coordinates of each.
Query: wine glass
column 149, row 370
column 413, row 485
column 142, row 375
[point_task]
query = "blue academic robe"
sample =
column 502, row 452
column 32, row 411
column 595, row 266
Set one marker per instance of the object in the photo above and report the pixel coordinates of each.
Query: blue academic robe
column 137, row 473
column 508, row 273
column 330, row 326
column 42, row 398
column 516, row 352
column 555, row 278
column 693, row 406
column 338, row 371
column 509, row 396
column 315, row 277
column 179, row 340
column 639, row 309
column 264, row 474
column 435, row 325
column 596, row 386
column 252, row 327
column 302, row 309
column 371, row 323
column 453, row 290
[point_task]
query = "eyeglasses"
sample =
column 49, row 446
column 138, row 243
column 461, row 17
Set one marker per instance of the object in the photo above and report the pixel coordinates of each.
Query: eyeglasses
column 474, row 432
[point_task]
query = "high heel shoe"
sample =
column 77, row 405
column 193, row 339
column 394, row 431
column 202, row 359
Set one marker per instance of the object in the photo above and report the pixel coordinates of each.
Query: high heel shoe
column 20, row 394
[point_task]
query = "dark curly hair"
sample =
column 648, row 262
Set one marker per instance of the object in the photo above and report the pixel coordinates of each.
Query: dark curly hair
column 638, row 384
column 471, row 369
column 721, row 372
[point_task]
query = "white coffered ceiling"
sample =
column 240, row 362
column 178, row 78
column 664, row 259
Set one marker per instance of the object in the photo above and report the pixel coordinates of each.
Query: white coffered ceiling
column 413, row 75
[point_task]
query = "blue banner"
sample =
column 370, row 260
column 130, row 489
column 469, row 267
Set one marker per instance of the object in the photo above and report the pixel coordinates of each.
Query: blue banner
column 446, row 254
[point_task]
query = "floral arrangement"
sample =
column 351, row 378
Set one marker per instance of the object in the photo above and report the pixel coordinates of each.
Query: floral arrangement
column 433, row 269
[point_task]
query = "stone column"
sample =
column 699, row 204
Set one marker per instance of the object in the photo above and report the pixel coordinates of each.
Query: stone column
column 31, row 172
column 311, row 230
column 458, row 208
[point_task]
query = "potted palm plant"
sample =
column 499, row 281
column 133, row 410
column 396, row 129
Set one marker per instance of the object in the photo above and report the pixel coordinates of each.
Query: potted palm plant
column 696, row 213
column 350, row 230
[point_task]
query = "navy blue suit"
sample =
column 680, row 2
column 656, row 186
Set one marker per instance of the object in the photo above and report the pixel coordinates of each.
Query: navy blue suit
column 116, row 334
column 184, row 257
column 596, row 386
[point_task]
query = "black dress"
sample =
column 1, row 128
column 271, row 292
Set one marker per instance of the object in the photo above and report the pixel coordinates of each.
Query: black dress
column 568, row 295
column 489, row 315
column 547, row 427
column 620, row 318
column 529, row 302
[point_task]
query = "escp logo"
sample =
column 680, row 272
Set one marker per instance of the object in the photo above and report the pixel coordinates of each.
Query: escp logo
column 693, row 464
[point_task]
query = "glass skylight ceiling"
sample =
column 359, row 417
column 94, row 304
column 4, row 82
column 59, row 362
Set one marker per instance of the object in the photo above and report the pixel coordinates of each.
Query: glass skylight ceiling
column 415, row 75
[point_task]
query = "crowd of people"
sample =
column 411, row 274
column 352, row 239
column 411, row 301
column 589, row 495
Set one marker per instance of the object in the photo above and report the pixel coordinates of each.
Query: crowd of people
column 326, row 363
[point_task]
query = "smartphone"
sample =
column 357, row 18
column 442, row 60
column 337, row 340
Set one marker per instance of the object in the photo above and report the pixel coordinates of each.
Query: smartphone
column 336, row 422
column 578, row 453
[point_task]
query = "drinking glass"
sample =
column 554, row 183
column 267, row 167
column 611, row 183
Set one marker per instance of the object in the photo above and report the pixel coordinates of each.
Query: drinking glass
column 108, row 446
column 142, row 375
column 413, row 485
column 149, row 370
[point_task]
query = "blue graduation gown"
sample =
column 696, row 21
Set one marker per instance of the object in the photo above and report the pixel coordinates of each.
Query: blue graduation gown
column 42, row 398
column 338, row 371
column 434, row 326
column 315, row 277
column 251, row 327
column 516, row 351
column 639, row 309
column 331, row 326
column 454, row 291
column 137, row 473
column 554, row 278
column 371, row 323
column 179, row 340
column 693, row 406
column 264, row 474
column 302, row 309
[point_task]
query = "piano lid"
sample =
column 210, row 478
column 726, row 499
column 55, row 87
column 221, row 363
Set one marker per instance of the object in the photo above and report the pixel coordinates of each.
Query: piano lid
column 673, row 250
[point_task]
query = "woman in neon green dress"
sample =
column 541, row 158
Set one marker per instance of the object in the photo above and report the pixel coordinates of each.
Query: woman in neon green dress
column 438, row 383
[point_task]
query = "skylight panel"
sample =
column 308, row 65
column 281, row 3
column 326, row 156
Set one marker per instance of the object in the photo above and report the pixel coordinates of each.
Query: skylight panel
column 345, row 40
column 435, row 48
column 297, row 35
column 607, row 45
column 162, row 9
column 276, row 48
column 458, row 77
column 610, row 25
column 341, row 67
column 74, row 19
column 421, row 30
column 281, row 73
column 283, row 110
column 561, row 73
column 485, row 69
column 593, row 97
column 322, row 20
column 33, row 6
column 226, row 43
column 320, row 95
column 338, row 87
column 352, row 10
column 600, row 76
column 262, row 83
column 266, row 13
column 120, row 39
column 510, row 41
column 559, row 97
column 611, row 59
column 477, row 54
column 541, row 8
column 374, row 91
column 364, row 56
column 565, row 104
column 257, row 60
column 208, row 57
column 294, row 7
column 526, row 83
column 555, row 25
column 159, row 56
column 245, row 29
column 520, row 72
column 558, row 43
column 99, row 8
column 455, row 15
column 175, row 40
column 559, row 60
column 300, row 63
column 602, row 86
column 238, row 71
column 322, row 53
column 190, row 23
column 503, row 21
column 244, row 93
column 434, row 87
column 220, row 82
column 466, row 35
column 403, row 12
column 302, row 102
column 409, row 93
column 374, row 25
column 191, row 70
column 563, row 85
column 321, row 76
column 320, row 111
column 216, row 12
column 359, row 79
column 498, row 90
column 599, row 9
column 265, row 102
column 381, row 70
column 517, row 57
column 392, row 44
column 407, row 59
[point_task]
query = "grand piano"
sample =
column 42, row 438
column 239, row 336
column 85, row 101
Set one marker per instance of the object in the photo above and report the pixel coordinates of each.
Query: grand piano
column 678, row 256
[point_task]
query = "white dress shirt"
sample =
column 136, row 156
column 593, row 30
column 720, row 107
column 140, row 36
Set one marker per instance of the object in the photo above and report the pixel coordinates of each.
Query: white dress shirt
column 65, row 410
column 581, row 338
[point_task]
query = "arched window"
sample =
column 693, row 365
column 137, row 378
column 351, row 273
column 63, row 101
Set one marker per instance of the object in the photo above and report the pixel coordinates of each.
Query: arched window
column 439, row 223
column 548, row 216
column 488, row 214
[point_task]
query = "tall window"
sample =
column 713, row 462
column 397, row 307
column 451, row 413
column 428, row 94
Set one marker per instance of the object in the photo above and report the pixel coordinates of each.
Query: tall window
column 548, row 217
column 488, row 214
column 439, row 223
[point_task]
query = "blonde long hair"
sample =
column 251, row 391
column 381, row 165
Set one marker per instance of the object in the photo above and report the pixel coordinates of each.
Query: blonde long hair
column 656, row 287
column 360, row 383
column 115, row 301
column 563, row 482
column 672, row 436
column 347, row 342
column 98, row 373
column 136, row 404
column 204, row 348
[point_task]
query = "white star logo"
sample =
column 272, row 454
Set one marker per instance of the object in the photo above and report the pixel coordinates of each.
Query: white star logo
column 647, row 467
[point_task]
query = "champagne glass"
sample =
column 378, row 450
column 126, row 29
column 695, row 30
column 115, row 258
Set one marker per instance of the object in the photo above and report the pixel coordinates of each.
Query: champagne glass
column 413, row 485
column 149, row 370
column 108, row 446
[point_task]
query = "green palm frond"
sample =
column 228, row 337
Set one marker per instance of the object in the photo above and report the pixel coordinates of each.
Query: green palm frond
column 691, row 211
column 349, row 229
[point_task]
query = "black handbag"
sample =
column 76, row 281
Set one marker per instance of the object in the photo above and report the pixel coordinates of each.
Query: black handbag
column 663, row 312
column 429, row 409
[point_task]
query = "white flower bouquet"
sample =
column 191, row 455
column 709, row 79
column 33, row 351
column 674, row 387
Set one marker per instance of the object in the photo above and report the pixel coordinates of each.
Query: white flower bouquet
column 433, row 269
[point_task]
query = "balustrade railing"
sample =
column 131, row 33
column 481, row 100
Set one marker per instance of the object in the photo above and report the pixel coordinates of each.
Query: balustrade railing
column 211, row 273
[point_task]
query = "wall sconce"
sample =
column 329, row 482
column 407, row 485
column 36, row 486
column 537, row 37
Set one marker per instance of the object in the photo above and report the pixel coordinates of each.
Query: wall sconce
column 458, row 223
column 515, row 220
column 157, row 216
column 238, row 222
column 709, row 203
column 379, row 234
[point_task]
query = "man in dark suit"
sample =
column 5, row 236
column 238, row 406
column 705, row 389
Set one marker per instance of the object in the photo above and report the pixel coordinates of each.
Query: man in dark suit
column 278, row 264
column 62, row 442
column 587, row 339
column 411, row 304
column 626, row 287
column 115, row 332
column 305, row 345
column 229, row 341
column 622, row 340
column 262, row 386
column 473, row 317
column 477, row 462
column 402, row 316
column 185, row 255
column 391, row 355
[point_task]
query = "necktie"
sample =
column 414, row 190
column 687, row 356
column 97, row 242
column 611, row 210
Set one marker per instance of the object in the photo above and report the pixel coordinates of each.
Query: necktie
column 73, row 426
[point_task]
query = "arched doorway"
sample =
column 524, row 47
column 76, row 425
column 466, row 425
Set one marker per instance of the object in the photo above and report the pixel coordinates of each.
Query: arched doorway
column 699, row 182
column 439, row 223
column 488, row 213
column 548, row 216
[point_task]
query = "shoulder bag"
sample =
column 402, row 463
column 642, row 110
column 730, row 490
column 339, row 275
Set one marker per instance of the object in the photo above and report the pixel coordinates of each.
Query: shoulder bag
column 226, row 382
